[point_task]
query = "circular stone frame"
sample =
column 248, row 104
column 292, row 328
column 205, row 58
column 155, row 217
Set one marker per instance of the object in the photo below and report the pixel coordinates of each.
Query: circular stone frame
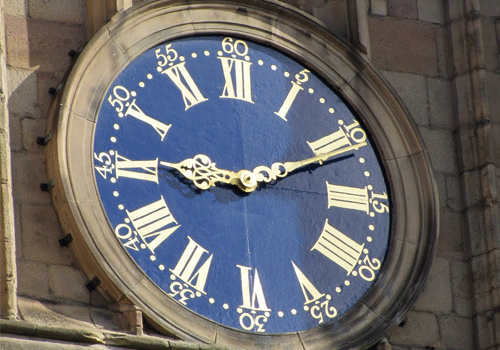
column 413, row 192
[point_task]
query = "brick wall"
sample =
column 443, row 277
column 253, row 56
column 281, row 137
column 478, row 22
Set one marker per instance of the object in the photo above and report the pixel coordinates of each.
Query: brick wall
column 442, row 58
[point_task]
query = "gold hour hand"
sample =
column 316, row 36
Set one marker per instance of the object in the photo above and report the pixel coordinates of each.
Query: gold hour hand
column 202, row 171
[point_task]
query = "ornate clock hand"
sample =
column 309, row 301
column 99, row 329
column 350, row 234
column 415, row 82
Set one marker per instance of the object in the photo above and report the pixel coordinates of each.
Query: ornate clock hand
column 202, row 171
column 205, row 174
column 249, row 179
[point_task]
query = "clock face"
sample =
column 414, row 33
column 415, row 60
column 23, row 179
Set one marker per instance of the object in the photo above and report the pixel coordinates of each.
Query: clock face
column 293, row 250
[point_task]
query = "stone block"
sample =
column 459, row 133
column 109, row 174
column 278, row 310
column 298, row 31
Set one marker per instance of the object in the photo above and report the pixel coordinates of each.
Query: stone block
column 40, row 234
column 455, row 9
column 440, row 103
column 32, row 128
column 68, row 283
column 493, row 155
column 461, row 279
column 462, row 87
column 457, row 332
column 39, row 43
column 494, row 265
column 17, row 220
column 458, row 35
column 490, row 186
column 431, row 11
column 463, row 307
column 444, row 52
column 475, row 220
column 378, row 7
column 17, row 41
column 489, row 8
column 437, row 295
column 450, row 241
column 32, row 279
column 28, row 172
column 58, row 10
column 492, row 81
column 333, row 14
column 490, row 44
column 420, row 329
column 404, row 46
column 468, row 141
column 412, row 89
column 45, row 82
column 441, row 148
column 485, row 328
column 453, row 193
column 16, row 140
column 23, row 92
column 57, row 315
column 403, row 8
column 15, row 8
column 482, row 274
column 103, row 319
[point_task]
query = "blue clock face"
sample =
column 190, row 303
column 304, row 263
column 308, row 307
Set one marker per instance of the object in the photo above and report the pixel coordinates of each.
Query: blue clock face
column 242, row 185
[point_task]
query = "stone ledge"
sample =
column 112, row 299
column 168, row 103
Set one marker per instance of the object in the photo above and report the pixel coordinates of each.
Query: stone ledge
column 81, row 338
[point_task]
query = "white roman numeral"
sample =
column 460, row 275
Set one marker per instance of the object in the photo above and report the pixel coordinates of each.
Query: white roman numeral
column 311, row 294
column 190, row 259
column 154, row 223
column 134, row 111
column 253, row 298
column 340, row 139
column 330, row 143
column 144, row 169
column 240, row 87
column 348, row 197
column 339, row 248
column 181, row 77
column 290, row 98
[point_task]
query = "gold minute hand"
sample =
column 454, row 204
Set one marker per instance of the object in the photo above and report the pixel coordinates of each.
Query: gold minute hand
column 250, row 179
column 291, row 166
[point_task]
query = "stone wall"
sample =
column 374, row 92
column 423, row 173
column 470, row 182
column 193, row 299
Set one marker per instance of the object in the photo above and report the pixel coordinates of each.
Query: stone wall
column 442, row 58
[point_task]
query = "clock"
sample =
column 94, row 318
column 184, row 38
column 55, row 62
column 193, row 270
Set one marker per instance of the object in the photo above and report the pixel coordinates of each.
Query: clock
column 241, row 182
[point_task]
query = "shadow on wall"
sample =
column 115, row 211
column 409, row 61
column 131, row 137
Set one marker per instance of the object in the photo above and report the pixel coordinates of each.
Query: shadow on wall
column 38, row 48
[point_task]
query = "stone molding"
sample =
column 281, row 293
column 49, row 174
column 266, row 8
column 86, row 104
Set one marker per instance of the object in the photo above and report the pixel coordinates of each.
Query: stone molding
column 8, row 273
column 478, row 162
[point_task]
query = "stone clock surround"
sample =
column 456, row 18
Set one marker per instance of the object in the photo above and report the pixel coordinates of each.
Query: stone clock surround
column 414, row 200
